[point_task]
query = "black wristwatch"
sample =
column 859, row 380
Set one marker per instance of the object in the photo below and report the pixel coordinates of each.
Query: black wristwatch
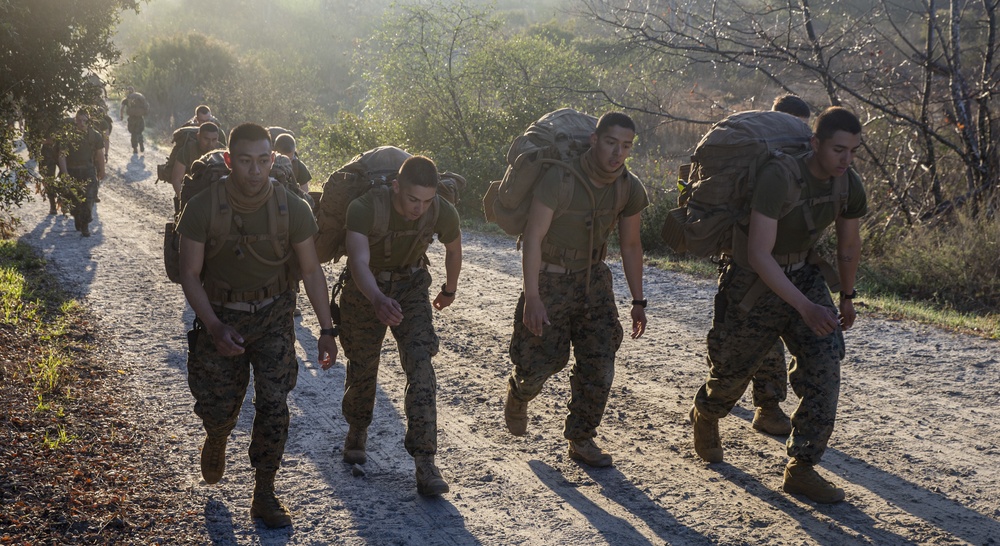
column 333, row 332
column 445, row 292
column 640, row 303
column 851, row 296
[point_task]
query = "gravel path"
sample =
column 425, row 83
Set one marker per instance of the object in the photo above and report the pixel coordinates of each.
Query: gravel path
column 916, row 443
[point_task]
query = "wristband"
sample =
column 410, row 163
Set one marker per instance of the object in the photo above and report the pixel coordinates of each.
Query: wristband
column 640, row 303
column 333, row 332
column 851, row 296
column 445, row 292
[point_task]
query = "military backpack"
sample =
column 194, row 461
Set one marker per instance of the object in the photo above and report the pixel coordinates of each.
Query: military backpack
column 136, row 105
column 373, row 169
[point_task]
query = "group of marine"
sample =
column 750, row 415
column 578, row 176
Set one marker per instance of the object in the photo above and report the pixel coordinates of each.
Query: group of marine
column 243, row 289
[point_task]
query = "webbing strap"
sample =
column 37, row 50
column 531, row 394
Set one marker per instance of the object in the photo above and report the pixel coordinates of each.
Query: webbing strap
column 759, row 287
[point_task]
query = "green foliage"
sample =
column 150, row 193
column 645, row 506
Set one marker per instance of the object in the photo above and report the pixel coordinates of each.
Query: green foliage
column 46, row 47
column 270, row 92
column 953, row 265
column 30, row 303
column 315, row 38
column 456, row 86
column 176, row 72
column 330, row 146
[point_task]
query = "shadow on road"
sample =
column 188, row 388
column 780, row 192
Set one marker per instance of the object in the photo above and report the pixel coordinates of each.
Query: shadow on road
column 618, row 489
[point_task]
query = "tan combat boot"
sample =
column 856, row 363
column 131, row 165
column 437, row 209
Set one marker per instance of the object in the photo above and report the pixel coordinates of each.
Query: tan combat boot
column 707, row 443
column 213, row 458
column 587, row 451
column 515, row 413
column 354, row 445
column 802, row 479
column 772, row 420
column 266, row 505
column 429, row 480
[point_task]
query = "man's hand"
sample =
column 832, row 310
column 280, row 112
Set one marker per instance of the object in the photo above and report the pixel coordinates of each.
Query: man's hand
column 442, row 301
column 327, row 348
column 821, row 320
column 638, row 321
column 228, row 342
column 847, row 313
column 535, row 315
column 388, row 311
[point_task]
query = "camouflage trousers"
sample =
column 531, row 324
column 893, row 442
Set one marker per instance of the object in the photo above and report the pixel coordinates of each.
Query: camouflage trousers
column 136, row 125
column 770, row 383
column 588, row 322
column 82, row 202
column 739, row 340
column 219, row 383
column 361, row 335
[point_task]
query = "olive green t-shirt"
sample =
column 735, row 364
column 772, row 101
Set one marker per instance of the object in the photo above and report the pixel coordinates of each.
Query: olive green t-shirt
column 569, row 230
column 361, row 218
column 771, row 195
column 244, row 272
column 81, row 147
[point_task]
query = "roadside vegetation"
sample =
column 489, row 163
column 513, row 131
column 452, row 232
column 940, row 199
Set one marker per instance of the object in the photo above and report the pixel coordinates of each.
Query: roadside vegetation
column 459, row 79
column 74, row 468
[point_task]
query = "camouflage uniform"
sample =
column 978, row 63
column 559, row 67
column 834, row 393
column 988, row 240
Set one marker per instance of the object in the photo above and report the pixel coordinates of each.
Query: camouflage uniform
column 770, row 383
column 219, row 383
column 136, row 125
column 80, row 149
column 738, row 340
column 591, row 324
column 361, row 335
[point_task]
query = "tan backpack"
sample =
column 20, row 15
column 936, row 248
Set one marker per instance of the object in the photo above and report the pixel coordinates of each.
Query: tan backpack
column 376, row 168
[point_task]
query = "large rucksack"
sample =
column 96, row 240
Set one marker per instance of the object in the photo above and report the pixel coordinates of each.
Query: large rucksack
column 136, row 105
column 181, row 137
column 717, row 186
column 716, row 189
column 553, row 140
column 375, row 168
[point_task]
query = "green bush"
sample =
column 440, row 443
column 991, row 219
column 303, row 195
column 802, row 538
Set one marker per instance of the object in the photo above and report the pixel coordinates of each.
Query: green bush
column 951, row 264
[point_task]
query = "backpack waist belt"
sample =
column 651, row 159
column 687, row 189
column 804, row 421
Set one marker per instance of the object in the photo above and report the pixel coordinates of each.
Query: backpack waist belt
column 274, row 289
column 387, row 275
column 558, row 269
column 245, row 306
column 563, row 254
column 759, row 288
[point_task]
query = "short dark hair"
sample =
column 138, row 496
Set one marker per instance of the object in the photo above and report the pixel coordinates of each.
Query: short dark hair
column 202, row 109
column 208, row 127
column 792, row 104
column 250, row 132
column 284, row 143
column 420, row 171
column 612, row 119
column 833, row 119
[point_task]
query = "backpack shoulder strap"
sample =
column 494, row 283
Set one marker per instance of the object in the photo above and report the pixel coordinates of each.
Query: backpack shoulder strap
column 277, row 219
column 842, row 191
column 382, row 203
column 220, row 221
column 623, row 191
column 425, row 229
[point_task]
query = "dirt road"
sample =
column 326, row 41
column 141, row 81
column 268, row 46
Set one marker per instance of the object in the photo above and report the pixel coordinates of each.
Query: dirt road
column 916, row 443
